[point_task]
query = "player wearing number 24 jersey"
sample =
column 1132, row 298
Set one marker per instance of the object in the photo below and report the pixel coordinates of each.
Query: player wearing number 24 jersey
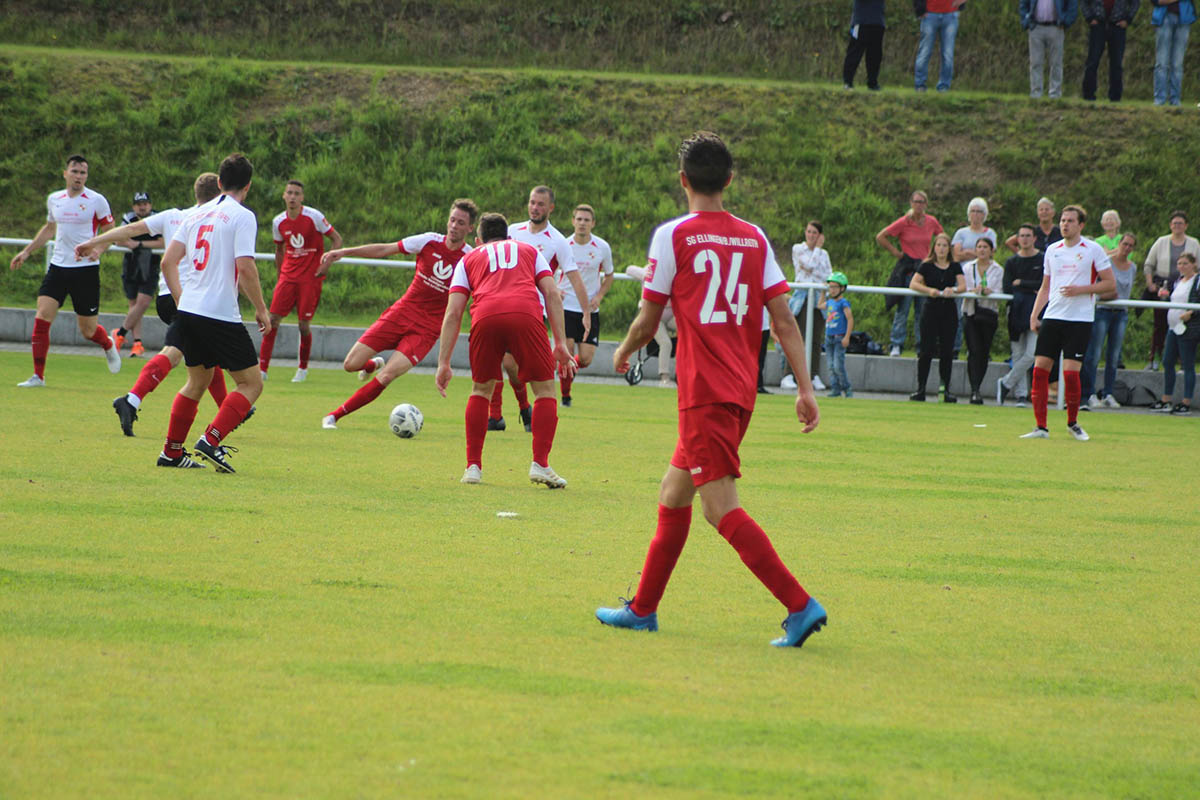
column 717, row 272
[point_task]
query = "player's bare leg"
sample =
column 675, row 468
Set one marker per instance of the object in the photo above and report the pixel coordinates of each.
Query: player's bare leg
column 305, row 326
column 518, row 386
column 133, row 320
column 583, row 354
column 395, row 366
column 543, row 425
column 361, row 358
column 564, row 381
column 268, row 345
column 476, row 426
column 90, row 328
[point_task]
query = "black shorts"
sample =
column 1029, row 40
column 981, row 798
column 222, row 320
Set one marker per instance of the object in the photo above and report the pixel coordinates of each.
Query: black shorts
column 574, row 324
column 214, row 343
column 139, row 274
column 82, row 283
column 1071, row 338
column 165, row 306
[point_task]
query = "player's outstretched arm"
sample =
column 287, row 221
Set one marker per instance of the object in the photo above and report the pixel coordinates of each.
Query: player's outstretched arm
column 44, row 235
column 792, row 342
column 248, row 282
column 641, row 331
column 96, row 245
column 451, row 325
column 382, row 250
column 170, row 269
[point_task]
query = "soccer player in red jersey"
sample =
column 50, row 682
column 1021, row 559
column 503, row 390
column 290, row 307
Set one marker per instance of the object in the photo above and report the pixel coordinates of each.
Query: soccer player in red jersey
column 299, row 233
column 505, row 278
column 412, row 324
column 72, row 215
column 717, row 271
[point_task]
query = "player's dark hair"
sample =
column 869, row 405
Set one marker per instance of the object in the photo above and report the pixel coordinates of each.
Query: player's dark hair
column 1079, row 212
column 1032, row 228
column 816, row 225
column 206, row 187
column 76, row 159
column 467, row 205
column 1176, row 213
column 492, row 227
column 294, row 182
column 587, row 208
column 546, row 190
column 235, row 172
column 706, row 162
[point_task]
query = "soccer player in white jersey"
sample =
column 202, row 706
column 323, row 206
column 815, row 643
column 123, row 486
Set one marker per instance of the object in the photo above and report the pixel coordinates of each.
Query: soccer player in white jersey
column 538, row 231
column 299, row 233
column 593, row 258
column 72, row 215
column 217, row 239
column 162, row 224
column 1075, row 271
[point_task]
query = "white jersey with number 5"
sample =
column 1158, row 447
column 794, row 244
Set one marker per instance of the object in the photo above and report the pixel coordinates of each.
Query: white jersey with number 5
column 216, row 234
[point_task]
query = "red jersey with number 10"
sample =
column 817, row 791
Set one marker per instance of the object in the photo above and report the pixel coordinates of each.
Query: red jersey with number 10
column 502, row 276
column 718, row 272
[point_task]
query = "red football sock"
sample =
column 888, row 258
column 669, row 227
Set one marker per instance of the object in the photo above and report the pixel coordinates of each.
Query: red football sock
column 1040, row 394
column 520, row 393
column 368, row 392
column 665, row 547
column 1072, row 396
column 305, row 349
column 233, row 411
column 216, row 387
column 268, row 345
column 183, row 413
column 496, row 410
column 545, row 422
column 41, row 346
column 476, row 424
column 565, row 385
column 759, row 555
column 100, row 337
column 151, row 375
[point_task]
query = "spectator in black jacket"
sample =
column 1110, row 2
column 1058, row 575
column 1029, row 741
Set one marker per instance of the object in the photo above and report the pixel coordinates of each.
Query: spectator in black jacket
column 866, row 36
column 1022, row 279
column 1107, row 21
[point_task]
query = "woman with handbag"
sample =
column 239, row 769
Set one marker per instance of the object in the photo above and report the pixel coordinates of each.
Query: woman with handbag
column 980, row 317
column 1183, row 333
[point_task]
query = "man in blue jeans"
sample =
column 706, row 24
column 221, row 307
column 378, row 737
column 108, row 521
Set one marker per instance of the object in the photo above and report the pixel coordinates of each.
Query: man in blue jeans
column 1173, row 21
column 939, row 19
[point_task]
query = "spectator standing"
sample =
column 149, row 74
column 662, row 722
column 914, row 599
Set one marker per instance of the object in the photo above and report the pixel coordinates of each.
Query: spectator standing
column 867, row 25
column 980, row 317
column 1181, row 338
column 1110, row 322
column 1047, row 22
column 939, row 20
column 1173, row 18
column 812, row 265
column 139, row 275
column 941, row 279
column 1110, row 221
column 963, row 248
column 1046, row 232
column 914, row 231
column 1022, row 279
column 839, row 324
column 1107, row 21
column 1160, row 273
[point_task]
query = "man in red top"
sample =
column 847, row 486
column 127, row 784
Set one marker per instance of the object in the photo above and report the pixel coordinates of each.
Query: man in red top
column 717, row 271
column 915, row 232
column 411, row 325
column 505, row 277
column 299, row 233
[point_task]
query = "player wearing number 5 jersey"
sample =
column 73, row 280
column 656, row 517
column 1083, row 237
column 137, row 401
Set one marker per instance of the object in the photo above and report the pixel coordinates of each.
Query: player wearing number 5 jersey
column 217, row 240
column 718, row 272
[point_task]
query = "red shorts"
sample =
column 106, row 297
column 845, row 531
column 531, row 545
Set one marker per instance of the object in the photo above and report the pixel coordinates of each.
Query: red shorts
column 516, row 333
column 389, row 333
column 304, row 296
column 709, row 437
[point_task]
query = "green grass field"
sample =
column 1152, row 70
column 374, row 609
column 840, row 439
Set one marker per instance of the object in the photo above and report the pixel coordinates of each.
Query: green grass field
column 342, row 618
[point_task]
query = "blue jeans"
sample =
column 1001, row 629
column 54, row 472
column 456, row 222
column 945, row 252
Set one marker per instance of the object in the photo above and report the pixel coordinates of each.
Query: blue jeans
column 900, row 320
column 1109, row 322
column 1170, row 44
column 1185, row 351
column 835, row 354
column 945, row 27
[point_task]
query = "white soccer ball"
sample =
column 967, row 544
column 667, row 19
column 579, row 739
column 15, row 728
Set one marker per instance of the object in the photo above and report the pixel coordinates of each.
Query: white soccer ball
column 406, row 420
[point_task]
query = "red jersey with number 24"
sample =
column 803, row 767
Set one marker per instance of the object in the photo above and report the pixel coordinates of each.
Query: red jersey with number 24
column 718, row 272
column 502, row 278
column 424, row 304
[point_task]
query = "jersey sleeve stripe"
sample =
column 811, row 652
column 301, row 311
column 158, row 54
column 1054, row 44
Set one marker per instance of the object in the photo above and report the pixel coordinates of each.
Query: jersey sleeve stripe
column 657, row 297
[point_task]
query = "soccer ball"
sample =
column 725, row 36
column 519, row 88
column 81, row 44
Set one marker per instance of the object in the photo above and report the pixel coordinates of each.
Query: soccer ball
column 406, row 420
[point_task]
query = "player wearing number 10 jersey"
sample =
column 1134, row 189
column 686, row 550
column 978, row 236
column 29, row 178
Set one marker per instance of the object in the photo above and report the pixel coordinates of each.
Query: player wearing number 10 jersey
column 718, row 272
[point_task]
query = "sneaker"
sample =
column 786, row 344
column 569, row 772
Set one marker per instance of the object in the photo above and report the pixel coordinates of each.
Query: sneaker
column 1079, row 433
column 789, row 382
column 1084, row 407
column 216, row 454
column 849, row 393
column 527, row 418
column 117, row 339
column 138, row 349
column 895, row 351
column 624, row 617
column 566, row 401
column 1110, row 401
column 365, row 376
column 473, row 474
column 300, row 376
column 849, row 87
column 1095, row 402
column 1036, row 433
column 1001, row 392
column 1153, row 365
column 545, row 475
column 497, row 424
column 818, row 384
column 263, row 372
column 976, row 399
column 34, row 380
column 185, row 461
column 799, row 625
column 113, row 356
column 1181, row 409
column 834, row 393
column 329, row 422
column 1162, row 405
column 917, row 397
column 1022, row 402
column 126, row 413
column 947, row 397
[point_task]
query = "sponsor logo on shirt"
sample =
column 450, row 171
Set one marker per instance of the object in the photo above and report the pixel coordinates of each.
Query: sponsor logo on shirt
column 442, row 271
column 296, row 240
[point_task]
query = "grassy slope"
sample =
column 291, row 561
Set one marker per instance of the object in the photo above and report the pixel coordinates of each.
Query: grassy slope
column 343, row 618
column 383, row 149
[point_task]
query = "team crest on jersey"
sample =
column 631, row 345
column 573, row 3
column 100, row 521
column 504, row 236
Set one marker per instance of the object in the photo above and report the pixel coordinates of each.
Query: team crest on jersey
column 442, row 271
column 650, row 270
column 296, row 240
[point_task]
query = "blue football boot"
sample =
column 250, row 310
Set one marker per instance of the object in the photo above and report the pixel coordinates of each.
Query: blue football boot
column 624, row 617
column 799, row 625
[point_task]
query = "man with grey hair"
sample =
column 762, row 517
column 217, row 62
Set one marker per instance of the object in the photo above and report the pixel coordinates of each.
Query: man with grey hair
column 1047, row 22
